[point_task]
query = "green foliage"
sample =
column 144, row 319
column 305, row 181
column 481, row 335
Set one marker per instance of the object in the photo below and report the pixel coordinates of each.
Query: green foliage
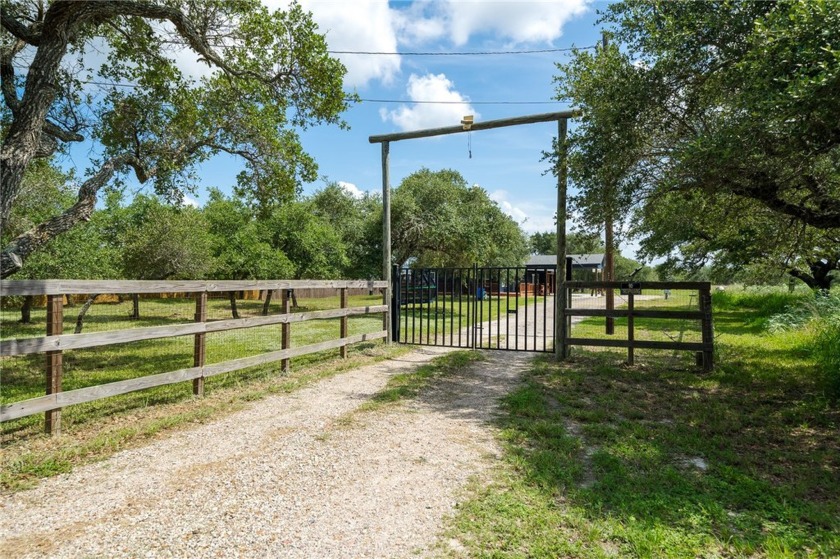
column 275, row 75
column 162, row 242
column 714, row 125
column 625, row 268
column 269, row 76
column 576, row 243
column 311, row 243
column 359, row 224
column 84, row 252
column 605, row 460
column 440, row 221
column 819, row 317
column 826, row 348
column 818, row 307
column 766, row 301
column 240, row 243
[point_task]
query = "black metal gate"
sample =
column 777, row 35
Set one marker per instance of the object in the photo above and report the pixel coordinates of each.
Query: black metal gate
column 507, row 308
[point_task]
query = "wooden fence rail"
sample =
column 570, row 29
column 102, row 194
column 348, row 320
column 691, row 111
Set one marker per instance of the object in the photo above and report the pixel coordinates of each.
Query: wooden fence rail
column 55, row 342
column 704, row 348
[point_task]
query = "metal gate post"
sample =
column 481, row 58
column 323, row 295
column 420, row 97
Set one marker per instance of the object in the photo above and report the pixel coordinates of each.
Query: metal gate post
column 395, row 304
column 474, row 310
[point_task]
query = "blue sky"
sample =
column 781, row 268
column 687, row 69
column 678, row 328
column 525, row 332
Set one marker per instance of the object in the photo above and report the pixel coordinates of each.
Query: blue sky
column 505, row 162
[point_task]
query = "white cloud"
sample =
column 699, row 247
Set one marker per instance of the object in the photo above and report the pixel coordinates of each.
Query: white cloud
column 188, row 200
column 351, row 189
column 431, row 87
column 361, row 25
column 513, row 21
column 420, row 23
column 532, row 217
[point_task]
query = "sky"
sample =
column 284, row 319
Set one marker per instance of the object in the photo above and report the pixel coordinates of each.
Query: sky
column 401, row 91
column 506, row 162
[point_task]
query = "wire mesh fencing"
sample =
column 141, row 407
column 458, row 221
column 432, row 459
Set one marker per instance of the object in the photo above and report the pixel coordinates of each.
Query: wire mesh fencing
column 110, row 350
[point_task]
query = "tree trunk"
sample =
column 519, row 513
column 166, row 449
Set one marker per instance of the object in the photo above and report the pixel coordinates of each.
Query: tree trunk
column 135, row 311
column 83, row 312
column 820, row 277
column 268, row 293
column 26, row 310
column 294, row 300
column 19, row 249
column 233, row 310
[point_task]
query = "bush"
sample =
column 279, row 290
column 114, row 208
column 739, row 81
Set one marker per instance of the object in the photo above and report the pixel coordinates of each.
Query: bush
column 819, row 307
column 817, row 315
column 826, row 351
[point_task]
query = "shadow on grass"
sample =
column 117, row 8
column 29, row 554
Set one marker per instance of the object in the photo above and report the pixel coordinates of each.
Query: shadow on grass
column 674, row 464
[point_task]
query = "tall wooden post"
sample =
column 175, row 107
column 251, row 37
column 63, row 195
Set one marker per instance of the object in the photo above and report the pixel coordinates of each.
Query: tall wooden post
column 609, row 242
column 344, row 321
column 286, row 328
column 55, row 361
column 560, row 334
column 609, row 270
column 386, row 229
column 200, row 346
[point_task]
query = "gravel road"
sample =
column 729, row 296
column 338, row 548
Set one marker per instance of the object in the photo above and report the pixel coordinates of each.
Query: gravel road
column 297, row 475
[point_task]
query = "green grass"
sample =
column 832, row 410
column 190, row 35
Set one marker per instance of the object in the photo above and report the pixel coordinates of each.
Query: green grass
column 604, row 460
column 445, row 317
column 22, row 377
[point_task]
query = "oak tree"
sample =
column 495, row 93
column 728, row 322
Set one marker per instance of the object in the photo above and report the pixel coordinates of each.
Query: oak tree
column 108, row 73
column 696, row 109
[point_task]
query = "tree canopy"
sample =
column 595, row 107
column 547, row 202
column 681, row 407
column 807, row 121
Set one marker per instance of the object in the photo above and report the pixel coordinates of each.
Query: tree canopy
column 708, row 122
column 576, row 243
column 439, row 221
column 107, row 73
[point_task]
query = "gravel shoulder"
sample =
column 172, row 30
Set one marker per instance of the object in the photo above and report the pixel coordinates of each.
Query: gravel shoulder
column 297, row 475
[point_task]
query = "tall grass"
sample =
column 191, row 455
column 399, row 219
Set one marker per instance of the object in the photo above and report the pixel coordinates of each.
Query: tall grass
column 826, row 350
column 812, row 317
column 767, row 300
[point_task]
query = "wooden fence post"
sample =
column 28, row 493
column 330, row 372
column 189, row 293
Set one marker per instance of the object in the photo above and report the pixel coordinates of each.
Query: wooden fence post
column 200, row 341
column 55, row 362
column 706, row 328
column 286, row 328
column 344, row 322
column 630, row 332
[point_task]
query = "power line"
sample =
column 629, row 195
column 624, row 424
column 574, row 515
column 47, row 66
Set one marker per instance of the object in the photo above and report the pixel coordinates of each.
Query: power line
column 459, row 102
column 407, row 101
column 467, row 53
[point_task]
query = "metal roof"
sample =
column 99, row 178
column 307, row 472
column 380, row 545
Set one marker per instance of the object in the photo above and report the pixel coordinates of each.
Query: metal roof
column 586, row 261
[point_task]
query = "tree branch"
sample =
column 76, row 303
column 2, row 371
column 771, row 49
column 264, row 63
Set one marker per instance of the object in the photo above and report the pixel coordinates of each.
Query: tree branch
column 16, row 252
column 100, row 11
column 7, row 75
column 30, row 35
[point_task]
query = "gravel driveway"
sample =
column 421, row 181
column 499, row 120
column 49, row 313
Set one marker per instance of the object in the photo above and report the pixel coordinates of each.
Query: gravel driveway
column 297, row 475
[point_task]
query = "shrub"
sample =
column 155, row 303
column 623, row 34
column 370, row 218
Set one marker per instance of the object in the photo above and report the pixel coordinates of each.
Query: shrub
column 826, row 351
column 819, row 307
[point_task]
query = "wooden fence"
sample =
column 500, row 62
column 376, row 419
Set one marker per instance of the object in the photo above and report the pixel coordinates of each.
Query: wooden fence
column 55, row 342
column 704, row 349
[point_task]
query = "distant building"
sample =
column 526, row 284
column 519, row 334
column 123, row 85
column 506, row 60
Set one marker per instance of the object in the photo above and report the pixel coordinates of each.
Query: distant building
column 539, row 266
